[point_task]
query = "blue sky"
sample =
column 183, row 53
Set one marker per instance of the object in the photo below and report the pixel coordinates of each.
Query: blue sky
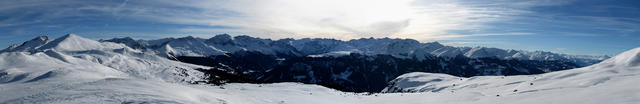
column 592, row 27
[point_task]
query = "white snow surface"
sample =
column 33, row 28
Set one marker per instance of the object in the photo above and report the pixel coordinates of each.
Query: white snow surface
column 67, row 72
column 611, row 81
column 188, row 46
column 74, row 54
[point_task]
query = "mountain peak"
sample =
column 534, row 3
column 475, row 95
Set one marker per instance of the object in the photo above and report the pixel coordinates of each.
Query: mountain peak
column 70, row 36
column 224, row 39
column 435, row 42
column 188, row 38
column 629, row 58
column 72, row 42
column 30, row 45
column 41, row 38
column 127, row 38
column 222, row 35
column 132, row 43
column 123, row 39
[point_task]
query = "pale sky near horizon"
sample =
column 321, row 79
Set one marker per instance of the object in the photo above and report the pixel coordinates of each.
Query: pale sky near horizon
column 591, row 27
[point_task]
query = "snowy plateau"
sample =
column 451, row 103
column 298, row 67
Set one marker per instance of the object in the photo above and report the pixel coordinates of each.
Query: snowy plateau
column 73, row 69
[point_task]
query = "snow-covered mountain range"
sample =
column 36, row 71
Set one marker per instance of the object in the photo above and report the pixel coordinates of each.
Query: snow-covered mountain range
column 361, row 65
column 42, row 57
column 317, row 47
column 72, row 69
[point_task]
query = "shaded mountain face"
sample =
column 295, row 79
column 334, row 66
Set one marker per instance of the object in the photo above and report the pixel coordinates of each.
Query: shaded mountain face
column 400, row 48
column 126, row 41
column 362, row 65
column 365, row 73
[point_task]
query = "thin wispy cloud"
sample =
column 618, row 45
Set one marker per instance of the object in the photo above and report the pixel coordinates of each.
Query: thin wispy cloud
column 421, row 20
column 510, row 21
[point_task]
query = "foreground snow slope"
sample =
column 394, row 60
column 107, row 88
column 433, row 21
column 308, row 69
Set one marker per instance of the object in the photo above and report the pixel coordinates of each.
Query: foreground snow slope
column 611, row 81
column 42, row 78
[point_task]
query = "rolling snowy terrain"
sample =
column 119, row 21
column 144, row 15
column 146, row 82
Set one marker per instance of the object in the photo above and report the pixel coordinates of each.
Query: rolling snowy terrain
column 72, row 69
column 611, row 81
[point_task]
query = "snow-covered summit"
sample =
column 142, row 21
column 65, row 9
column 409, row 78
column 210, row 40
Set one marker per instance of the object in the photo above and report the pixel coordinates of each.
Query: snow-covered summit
column 222, row 39
column 79, row 52
column 69, row 42
column 132, row 43
column 479, row 52
column 629, row 58
column 31, row 44
column 188, row 46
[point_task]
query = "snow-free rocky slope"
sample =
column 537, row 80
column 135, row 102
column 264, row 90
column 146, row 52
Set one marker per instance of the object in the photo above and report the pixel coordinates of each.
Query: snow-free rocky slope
column 102, row 72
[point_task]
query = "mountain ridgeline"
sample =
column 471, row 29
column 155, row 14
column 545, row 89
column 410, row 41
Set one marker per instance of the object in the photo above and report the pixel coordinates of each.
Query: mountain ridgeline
column 364, row 73
column 361, row 65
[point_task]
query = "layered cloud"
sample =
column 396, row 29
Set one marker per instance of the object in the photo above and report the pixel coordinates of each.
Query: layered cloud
column 342, row 19
column 497, row 23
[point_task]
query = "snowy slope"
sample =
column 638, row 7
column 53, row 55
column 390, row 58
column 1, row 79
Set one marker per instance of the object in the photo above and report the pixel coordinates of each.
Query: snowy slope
column 30, row 45
column 76, row 51
column 113, row 73
column 187, row 46
column 611, row 81
column 93, row 77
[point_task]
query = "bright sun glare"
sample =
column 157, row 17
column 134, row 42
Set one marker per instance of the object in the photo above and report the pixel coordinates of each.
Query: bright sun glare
column 351, row 19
